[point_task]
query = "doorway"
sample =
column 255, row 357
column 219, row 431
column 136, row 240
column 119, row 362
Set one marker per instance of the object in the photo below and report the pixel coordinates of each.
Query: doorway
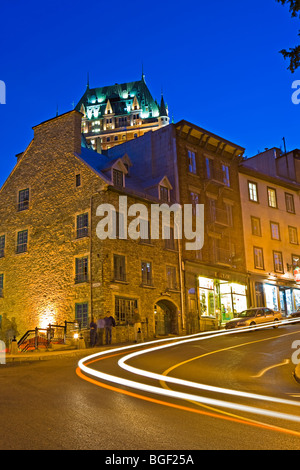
column 166, row 318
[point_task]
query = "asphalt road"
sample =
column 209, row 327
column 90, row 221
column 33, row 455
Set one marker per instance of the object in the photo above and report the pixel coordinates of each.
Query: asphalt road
column 52, row 405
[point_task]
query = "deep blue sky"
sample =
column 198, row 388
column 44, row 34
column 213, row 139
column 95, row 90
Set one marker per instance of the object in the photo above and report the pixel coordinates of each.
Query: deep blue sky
column 217, row 62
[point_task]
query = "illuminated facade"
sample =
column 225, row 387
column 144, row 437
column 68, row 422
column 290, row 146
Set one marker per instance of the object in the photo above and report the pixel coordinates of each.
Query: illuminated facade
column 270, row 189
column 54, row 267
column 117, row 113
column 203, row 169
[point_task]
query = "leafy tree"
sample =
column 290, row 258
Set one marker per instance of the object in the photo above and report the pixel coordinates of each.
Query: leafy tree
column 293, row 54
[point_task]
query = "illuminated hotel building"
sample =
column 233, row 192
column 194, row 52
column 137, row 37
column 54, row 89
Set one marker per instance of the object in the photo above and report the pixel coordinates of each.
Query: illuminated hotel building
column 270, row 189
column 121, row 112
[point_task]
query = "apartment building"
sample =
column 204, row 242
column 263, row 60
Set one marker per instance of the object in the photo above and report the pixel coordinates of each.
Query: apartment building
column 270, row 189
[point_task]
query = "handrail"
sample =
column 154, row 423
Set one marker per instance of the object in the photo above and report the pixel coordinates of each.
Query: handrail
column 46, row 340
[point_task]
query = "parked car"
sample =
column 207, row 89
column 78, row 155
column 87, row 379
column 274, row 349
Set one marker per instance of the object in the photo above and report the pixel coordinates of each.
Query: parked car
column 295, row 314
column 252, row 317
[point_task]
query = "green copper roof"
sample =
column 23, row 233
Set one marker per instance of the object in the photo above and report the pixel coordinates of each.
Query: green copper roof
column 121, row 97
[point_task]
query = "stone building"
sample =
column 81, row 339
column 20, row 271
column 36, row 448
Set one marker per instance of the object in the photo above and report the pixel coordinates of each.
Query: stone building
column 53, row 265
column 121, row 112
column 203, row 169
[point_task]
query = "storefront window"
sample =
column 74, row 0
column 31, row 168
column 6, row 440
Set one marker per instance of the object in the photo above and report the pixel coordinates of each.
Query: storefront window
column 223, row 297
column 297, row 298
column 206, row 296
column 271, row 296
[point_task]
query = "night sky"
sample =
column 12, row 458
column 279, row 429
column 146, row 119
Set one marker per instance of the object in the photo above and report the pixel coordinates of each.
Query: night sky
column 217, row 62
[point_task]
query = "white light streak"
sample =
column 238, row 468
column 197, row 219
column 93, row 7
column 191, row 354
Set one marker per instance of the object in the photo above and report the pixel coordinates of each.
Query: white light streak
column 187, row 396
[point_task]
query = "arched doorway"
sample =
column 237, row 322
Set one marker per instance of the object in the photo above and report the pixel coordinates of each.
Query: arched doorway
column 166, row 318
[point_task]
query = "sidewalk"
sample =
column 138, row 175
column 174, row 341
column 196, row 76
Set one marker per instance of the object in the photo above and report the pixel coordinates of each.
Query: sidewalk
column 55, row 354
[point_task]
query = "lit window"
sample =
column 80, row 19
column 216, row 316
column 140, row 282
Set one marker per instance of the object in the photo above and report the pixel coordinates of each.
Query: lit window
column 272, row 200
column 253, row 194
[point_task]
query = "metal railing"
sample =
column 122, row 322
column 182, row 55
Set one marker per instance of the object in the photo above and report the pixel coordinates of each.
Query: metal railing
column 44, row 337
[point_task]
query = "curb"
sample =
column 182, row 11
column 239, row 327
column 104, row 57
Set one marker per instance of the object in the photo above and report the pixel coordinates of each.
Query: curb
column 297, row 373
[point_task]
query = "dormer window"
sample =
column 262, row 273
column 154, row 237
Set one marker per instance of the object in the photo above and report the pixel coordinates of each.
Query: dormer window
column 164, row 194
column 118, row 178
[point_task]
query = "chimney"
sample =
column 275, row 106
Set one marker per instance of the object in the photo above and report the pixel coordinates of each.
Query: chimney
column 61, row 132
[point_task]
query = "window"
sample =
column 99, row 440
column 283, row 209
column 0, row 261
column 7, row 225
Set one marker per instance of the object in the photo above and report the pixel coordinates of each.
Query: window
column 170, row 243
column 23, row 203
column 119, row 268
column 1, row 284
column 209, row 168
column 256, row 227
column 194, row 197
column 192, row 161
column 2, row 246
column 259, row 294
column 293, row 235
column 124, row 309
column 275, row 231
column 272, row 199
column 296, row 261
column 226, row 178
column 78, row 180
column 118, row 178
column 22, row 241
column 253, row 193
column 82, row 225
column 229, row 214
column 212, row 210
column 81, row 270
column 171, row 278
column 278, row 263
column 120, row 225
column 289, row 203
column 146, row 273
column 81, row 314
column 164, row 194
column 145, row 231
column 258, row 258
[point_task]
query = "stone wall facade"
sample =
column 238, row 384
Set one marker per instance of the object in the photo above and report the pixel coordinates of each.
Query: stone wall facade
column 39, row 282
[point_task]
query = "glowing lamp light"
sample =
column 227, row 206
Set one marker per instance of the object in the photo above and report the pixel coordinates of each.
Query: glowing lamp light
column 76, row 335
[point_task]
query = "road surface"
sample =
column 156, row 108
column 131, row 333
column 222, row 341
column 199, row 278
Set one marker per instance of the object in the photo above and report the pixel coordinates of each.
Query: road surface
column 248, row 398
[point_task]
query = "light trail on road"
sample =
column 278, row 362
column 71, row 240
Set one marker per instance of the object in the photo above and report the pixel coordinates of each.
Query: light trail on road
column 187, row 396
